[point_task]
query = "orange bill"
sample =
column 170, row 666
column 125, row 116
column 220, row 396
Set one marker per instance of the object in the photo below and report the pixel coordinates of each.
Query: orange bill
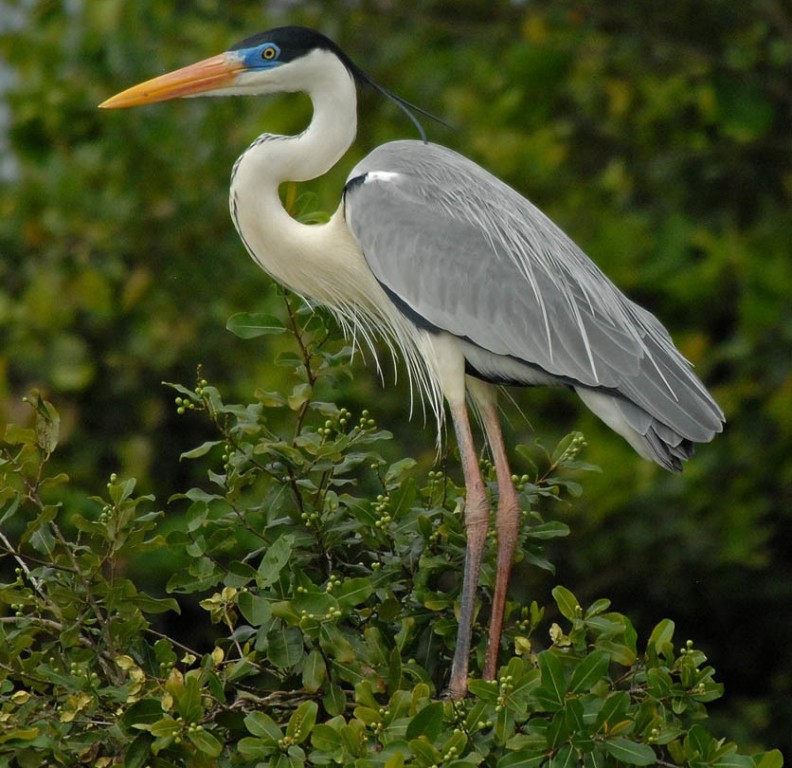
column 207, row 75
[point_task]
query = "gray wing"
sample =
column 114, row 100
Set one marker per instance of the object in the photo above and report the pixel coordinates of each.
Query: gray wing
column 459, row 250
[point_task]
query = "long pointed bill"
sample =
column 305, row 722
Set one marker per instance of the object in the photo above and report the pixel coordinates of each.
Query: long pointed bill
column 204, row 76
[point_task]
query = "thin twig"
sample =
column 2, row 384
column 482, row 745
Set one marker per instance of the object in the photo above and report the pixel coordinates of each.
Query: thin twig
column 162, row 636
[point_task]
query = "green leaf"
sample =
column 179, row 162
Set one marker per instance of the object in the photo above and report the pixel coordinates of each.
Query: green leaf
column 524, row 683
column 241, row 669
column 396, row 471
column 139, row 751
column 364, row 695
column 529, row 758
column 274, row 561
column 249, row 325
column 613, row 710
column 10, row 510
column 314, row 603
column 368, row 715
column 142, row 713
column 15, row 435
column 630, row 752
column 589, row 671
column 426, row 755
column 573, row 713
column 566, row 757
column 486, row 690
column 532, row 556
column 149, row 604
column 254, row 608
column 428, row 722
column 299, row 396
column 619, row 652
column 660, row 639
column 335, row 645
column 201, row 450
column 263, row 727
column 595, row 759
column 215, row 685
column 205, row 742
column 557, row 731
column 121, row 490
column 550, row 530
column 21, row 734
column 284, row 646
column 239, row 575
column 597, row 607
column 302, row 721
column 552, row 676
column 567, row 603
column 325, row 738
column 455, row 743
column 353, row 592
column 396, row 760
column 334, row 700
column 771, row 759
column 700, row 741
column 394, row 678
column 188, row 696
column 47, row 424
column 733, row 760
column 314, row 671
column 270, row 399
column 256, row 749
column 164, row 728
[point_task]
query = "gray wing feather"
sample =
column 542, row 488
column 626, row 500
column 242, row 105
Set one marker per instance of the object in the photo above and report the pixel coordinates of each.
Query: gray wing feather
column 469, row 255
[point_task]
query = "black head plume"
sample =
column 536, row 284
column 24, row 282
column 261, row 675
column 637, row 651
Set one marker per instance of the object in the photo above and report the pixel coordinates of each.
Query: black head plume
column 295, row 42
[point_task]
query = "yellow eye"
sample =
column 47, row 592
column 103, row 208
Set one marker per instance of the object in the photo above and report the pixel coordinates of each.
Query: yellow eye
column 269, row 53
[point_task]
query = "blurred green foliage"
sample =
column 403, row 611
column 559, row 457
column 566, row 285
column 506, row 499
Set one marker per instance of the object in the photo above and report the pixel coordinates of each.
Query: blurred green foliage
column 657, row 135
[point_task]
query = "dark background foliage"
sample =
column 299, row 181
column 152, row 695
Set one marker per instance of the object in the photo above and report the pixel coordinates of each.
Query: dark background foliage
column 657, row 135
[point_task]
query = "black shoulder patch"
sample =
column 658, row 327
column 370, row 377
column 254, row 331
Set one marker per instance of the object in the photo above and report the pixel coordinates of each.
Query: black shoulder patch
column 354, row 183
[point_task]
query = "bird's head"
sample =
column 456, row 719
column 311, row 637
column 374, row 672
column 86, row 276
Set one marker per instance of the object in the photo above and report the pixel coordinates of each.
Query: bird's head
column 285, row 59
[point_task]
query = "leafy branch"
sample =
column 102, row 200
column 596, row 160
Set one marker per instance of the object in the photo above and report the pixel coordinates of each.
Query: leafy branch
column 330, row 609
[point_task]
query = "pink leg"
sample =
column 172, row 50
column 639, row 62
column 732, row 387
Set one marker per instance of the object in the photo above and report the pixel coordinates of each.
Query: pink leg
column 507, row 521
column 476, row 524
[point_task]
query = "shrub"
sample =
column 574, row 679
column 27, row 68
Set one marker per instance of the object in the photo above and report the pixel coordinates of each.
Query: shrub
column 326, row 579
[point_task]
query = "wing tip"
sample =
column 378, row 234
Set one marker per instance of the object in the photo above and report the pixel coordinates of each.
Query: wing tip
column 650, row 437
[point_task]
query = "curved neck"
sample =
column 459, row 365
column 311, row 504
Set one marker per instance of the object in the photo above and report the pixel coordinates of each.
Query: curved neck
column 322, row 144
column 282, row 246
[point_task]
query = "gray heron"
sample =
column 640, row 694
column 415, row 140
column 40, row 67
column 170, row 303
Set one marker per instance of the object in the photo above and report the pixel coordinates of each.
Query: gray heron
column 463, row 276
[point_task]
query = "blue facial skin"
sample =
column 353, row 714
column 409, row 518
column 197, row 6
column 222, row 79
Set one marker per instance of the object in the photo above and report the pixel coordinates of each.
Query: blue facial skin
column 265, row 56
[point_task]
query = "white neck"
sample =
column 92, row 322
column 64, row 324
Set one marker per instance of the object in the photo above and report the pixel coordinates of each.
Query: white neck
column 322, row 144
column 322, row 262
column 279, row 244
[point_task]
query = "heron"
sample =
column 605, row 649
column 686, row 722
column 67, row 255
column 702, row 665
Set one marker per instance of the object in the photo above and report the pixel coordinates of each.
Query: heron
column 465, row 278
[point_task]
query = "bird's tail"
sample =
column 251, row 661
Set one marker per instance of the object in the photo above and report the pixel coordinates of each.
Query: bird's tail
column 650, row 437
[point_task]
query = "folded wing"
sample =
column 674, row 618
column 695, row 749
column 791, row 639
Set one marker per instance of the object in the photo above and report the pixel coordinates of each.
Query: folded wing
column 458, row 250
